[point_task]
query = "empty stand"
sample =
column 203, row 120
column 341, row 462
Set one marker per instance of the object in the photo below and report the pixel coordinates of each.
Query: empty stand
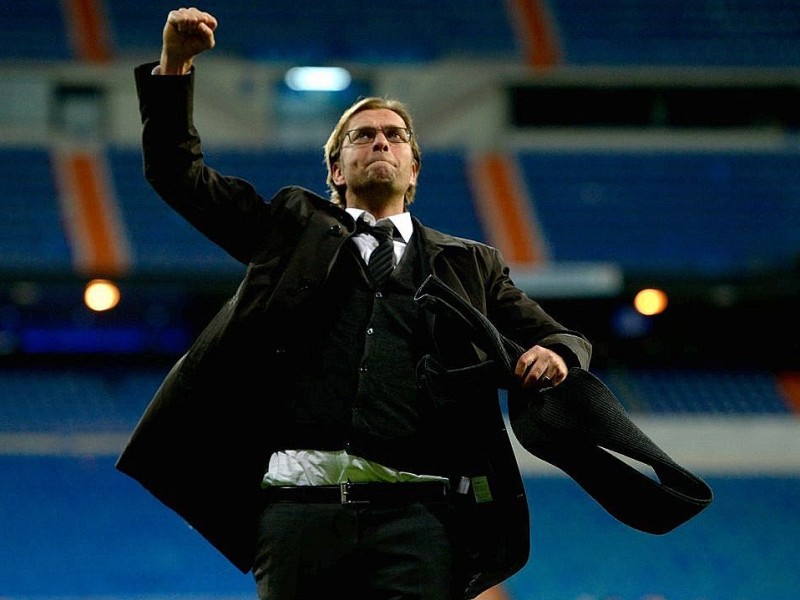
column 705, row 213
column 162, row 242
column 739, row 33
column 729, row 33
column 736, row 549
column 319, row 32
column 69, row 401
column 697, row 213
column 33, row 30
column 32, row 236
column 444, row 199
column 697, row 392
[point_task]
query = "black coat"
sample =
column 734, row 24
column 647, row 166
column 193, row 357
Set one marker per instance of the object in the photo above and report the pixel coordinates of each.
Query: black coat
column 204, row 442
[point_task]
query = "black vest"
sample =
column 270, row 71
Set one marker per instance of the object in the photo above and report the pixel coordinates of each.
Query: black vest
column 357, row 387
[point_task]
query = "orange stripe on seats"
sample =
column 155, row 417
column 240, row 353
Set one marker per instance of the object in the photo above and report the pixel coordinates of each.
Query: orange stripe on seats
column 89, row 30
column 789, row 384
column 505, row 210
column 97, row 238
column 537, row 33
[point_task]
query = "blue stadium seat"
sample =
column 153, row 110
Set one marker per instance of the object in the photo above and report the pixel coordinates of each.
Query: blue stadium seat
column 33, row 30
column 162, row 242
column 728, row 33
column 696, row 213
column 697, row 392
column 32, row 236
column 319, row 32
column 74, row 400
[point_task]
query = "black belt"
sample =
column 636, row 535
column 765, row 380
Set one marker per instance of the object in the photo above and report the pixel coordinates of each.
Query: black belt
column 359, row 493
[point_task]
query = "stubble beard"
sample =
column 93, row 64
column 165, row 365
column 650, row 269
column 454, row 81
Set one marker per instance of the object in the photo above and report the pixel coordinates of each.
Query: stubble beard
column 377, row 187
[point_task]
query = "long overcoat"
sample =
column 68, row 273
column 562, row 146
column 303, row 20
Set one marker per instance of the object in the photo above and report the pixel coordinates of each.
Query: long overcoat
column 204, row 441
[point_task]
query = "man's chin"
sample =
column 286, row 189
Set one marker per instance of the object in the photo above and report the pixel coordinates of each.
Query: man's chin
column 377, row 189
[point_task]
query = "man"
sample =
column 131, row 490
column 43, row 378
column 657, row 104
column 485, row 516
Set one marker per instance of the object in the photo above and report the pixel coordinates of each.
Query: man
column 296, row 434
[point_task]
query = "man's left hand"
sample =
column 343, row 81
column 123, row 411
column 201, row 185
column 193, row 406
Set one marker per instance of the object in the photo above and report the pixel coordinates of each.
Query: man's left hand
column 541, row 368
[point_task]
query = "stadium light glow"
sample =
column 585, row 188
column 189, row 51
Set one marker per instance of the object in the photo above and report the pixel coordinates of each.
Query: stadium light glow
column 650, row 301
column 318, row 79
column 100, row 295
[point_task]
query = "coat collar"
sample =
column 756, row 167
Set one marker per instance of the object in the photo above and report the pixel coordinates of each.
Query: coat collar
column 435, row 241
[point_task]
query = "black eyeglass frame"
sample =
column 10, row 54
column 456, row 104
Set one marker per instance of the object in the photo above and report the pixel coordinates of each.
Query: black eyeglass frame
column 372, row 132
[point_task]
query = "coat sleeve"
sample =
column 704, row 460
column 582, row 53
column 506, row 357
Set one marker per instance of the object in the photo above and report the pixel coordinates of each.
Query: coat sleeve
column 524, row 320
column 227, row 210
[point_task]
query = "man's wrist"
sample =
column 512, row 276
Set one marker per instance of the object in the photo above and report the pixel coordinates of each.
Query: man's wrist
column 166, row 67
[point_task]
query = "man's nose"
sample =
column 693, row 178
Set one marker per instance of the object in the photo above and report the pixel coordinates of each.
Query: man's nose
column 381, row 141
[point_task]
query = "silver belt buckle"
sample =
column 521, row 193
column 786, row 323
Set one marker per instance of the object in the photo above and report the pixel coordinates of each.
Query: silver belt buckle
column 344, row 495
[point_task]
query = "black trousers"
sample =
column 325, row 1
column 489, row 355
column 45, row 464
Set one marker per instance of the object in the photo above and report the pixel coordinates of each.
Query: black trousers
column 315, row 551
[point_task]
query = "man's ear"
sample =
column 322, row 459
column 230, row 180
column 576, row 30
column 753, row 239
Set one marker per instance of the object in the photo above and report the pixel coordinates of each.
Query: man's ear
column 337, row 177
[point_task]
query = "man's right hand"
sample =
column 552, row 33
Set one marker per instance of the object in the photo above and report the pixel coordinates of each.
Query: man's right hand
column 187, row 33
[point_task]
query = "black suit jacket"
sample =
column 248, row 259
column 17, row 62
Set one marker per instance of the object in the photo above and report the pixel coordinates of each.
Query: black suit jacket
column 204, row 441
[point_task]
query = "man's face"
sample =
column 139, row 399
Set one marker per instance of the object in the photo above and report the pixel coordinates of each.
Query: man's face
column 381, row 169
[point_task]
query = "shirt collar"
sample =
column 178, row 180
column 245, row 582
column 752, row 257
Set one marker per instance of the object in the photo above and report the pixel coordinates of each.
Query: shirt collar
column 402, row 221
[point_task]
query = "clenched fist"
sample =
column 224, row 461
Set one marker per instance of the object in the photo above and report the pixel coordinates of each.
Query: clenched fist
column 187, row 33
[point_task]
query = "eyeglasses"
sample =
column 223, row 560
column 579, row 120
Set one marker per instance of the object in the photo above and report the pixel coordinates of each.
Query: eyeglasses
column 366, row 135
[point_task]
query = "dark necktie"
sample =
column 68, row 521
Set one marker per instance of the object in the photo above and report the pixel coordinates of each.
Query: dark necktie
column 381, row 261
